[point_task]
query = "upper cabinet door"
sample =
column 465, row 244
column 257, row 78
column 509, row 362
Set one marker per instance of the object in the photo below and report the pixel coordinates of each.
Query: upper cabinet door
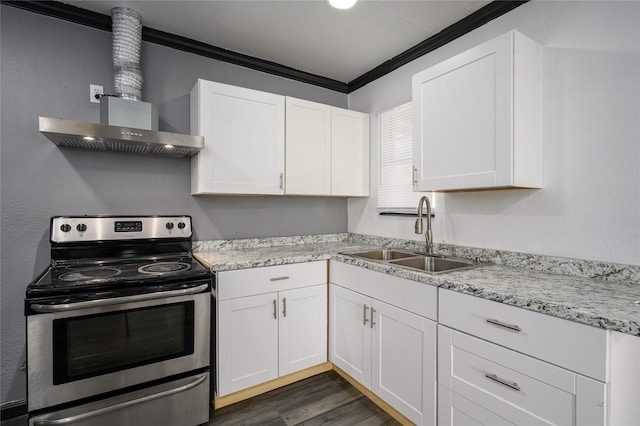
column 478, row 118
column 308, row 148
column 243, row 131
column 349, row 153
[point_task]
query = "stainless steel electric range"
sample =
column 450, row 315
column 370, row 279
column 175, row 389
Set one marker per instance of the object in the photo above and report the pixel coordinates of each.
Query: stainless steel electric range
column 118, row 325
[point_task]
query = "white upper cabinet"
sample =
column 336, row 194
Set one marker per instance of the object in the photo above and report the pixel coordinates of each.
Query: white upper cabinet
column 308, row 148
column 327, row 150
column 243, row 131
column 478, row 118
column 349, row 153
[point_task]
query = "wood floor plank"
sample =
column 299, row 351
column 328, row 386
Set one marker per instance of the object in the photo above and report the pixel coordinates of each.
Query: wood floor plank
column 380, row 419
column 358, row 411
column 224, row 417
column 320, row 400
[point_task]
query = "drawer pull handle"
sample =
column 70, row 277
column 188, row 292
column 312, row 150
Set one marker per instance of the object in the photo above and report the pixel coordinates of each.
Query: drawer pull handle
column 365, row 314
column 495, row 378
column 278, row 278
column 504, row 325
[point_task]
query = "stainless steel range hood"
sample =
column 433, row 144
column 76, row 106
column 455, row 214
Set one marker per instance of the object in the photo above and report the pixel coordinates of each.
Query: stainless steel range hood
column 82, row 135
column 127, row 123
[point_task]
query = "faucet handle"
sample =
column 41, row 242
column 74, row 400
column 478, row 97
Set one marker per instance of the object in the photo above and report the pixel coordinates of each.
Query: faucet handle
column 419, row 225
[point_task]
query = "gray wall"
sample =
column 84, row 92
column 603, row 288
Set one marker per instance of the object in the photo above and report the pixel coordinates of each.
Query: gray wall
column 47, row 66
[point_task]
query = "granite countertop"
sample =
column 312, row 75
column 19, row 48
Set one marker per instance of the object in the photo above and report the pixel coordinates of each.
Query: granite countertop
column 255, row 257
column 613, row 305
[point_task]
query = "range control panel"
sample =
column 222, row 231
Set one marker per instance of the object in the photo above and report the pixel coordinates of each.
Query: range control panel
column 104, row 228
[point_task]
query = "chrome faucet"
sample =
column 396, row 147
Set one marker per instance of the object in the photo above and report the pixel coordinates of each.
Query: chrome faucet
column 428, row 235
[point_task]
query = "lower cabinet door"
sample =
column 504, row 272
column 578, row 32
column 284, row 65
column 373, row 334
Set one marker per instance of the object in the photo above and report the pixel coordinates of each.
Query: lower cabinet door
column 350, row 333
column 404, row 362
column 303, row 328
column 247, row 342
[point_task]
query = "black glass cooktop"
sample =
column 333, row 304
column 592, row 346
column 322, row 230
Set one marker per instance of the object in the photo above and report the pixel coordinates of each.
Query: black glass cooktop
column 79, row 276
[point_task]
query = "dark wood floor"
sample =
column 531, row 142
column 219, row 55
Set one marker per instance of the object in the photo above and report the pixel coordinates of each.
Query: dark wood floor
column 325, row 399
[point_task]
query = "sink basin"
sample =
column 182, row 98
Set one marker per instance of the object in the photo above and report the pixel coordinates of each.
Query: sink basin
column 434, row 264
column 383, row 254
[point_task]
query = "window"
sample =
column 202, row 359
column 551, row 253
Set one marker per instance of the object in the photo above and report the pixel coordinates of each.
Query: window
column 395, row 185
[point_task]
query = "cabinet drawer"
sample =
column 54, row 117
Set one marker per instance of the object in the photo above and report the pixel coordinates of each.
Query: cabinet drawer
column 574, row 346
column 510, row 384
column 247, row 282
column 454, row 410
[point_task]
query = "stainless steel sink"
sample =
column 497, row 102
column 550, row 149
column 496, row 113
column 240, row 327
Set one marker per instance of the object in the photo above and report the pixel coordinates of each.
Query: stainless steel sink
column 434, row 264
column 383, row 254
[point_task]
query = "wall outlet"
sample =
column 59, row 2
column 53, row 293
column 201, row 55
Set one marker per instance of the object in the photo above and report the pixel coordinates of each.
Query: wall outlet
column 94, row 93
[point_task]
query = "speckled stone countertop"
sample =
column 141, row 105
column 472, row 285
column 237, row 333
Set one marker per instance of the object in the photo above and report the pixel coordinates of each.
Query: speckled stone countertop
column 593, row 293
column 229, row 255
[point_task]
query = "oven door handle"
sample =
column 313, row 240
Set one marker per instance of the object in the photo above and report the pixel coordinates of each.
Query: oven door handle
column 101, row 411
column 116, row 300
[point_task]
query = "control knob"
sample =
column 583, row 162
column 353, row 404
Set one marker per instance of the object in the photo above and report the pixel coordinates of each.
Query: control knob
column 169, row 225
column 81, row 227
column 65, row 227
column 181, row 225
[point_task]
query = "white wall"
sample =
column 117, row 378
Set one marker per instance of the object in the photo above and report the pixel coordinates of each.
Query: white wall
column 589, row 207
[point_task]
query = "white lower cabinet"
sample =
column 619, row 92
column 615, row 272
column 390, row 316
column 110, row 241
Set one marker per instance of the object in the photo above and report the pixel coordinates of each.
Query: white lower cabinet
column 513, row 387
column 388, row 349
column 500, row 364
column 271, row 322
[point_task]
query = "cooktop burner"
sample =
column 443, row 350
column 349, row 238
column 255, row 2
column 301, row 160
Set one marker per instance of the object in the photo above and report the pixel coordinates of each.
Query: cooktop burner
column 163, row 268
column 89, row 274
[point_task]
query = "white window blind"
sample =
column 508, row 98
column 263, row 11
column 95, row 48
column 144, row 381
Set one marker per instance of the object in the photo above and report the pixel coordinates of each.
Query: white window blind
column 395, row 186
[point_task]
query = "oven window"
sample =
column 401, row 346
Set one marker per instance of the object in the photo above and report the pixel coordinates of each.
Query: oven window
column 89, row 346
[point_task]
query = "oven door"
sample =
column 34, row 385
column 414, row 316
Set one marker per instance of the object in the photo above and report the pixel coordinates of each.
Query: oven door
column 78, row 353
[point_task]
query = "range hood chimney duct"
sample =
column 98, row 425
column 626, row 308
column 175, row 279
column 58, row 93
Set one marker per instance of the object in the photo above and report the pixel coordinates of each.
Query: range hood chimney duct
column 127, row 45
column 126, row 108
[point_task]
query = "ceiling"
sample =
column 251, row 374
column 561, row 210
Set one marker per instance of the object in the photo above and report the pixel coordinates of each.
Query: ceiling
column 306, row 35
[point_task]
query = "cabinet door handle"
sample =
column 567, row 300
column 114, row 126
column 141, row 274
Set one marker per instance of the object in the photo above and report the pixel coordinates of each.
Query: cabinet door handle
column 365, row 314
column 415, row 175
column 281, row 180
column 495, row 378
column 513, row 327
column 278, row 278
column 284, row 307
column 275, row 309
column 373, row 311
